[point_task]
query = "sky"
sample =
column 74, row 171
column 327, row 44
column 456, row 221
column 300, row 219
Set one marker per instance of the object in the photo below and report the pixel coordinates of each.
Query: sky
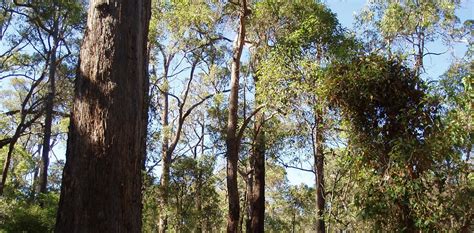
column 345, row 11
column 434, row 65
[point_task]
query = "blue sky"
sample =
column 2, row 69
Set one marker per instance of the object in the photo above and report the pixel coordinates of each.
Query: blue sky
column 434, row 65
column 346, row 10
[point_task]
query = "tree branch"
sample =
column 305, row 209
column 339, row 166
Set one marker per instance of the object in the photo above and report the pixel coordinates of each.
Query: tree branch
column 247, row 121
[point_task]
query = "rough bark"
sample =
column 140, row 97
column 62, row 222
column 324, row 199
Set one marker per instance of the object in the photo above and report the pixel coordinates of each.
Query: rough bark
column 232, row 139
column 258, row 167
column 102, row 179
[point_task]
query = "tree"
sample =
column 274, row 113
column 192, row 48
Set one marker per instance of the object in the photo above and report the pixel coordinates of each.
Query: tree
column 412, row 23
column 49, row 18
column 102, row 177
column 44, row 38
column 307, row 36
column 378, row 144
column 179, row 42
column 233, row 135
column 390, row 121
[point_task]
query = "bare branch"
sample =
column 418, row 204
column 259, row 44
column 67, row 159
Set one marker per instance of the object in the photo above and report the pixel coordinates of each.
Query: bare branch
column 247, row 121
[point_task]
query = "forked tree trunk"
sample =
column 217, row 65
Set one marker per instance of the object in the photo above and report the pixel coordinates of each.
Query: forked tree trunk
column 102, row 179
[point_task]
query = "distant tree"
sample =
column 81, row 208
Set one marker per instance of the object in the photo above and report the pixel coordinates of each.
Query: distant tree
column 43, row 38
column 409, row 26
column 303, row 38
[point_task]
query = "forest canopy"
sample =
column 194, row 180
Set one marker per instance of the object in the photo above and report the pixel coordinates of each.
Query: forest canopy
column 196, row 116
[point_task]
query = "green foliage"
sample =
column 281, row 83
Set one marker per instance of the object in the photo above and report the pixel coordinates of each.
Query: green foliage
column 397, row 149
column 306, row 37
column 17, row 215
column 194, row 202
column 21, row 166
column 397, row 146
column 406, row 27
column 289, row 207
column 386, row 105
column 192, row 182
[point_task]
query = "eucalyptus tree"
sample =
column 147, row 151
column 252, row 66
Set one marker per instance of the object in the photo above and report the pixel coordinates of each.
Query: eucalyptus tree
column 233, row 132
column 102, row 179
column 46, row 32
column 54, row 22
column 183, row 44
column 307, row 38
column 455, row 141
column 29, row 104
column 409, row 26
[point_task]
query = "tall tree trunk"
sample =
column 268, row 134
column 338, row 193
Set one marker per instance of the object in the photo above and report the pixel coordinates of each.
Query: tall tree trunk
column 166, row 158
column 102, row 179
column 34, row 185
column 35, row 182
column 258, row 168
column 318, row 154
column 49, row 107
column 164, row 182
column 257, row 197
column 233, row 140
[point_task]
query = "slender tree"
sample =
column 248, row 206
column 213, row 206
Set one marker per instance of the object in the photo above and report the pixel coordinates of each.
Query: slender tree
column 233, row 136
column 49, row 106
column 102, row 179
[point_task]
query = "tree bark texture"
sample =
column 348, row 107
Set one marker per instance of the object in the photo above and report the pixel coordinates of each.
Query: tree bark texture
column 232, row 140
column 258, row 167
column 102, row 179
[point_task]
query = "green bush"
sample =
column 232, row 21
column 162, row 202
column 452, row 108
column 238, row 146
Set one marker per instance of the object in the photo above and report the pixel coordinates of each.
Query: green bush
column 23, row 216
